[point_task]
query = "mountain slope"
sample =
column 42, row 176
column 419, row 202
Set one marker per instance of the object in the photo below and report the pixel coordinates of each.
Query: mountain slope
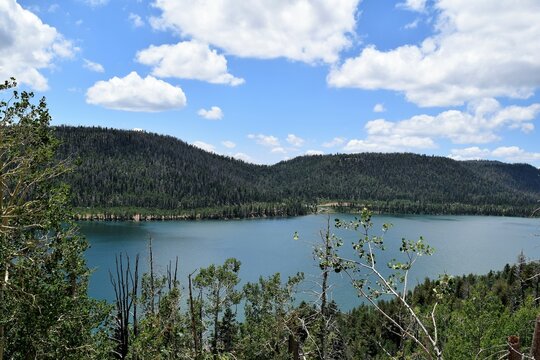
column 128, row 169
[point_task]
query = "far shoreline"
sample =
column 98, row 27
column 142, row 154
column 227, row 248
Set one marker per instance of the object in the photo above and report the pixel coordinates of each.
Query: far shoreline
column 227, row 213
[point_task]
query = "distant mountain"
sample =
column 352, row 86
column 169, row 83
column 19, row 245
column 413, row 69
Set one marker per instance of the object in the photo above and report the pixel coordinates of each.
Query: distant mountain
column 121, row 169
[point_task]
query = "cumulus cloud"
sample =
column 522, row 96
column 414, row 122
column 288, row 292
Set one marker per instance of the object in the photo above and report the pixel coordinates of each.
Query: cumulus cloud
column 379, row 108
column 470, row 153
column 516, row 154
column 136, row 20
column 243, row 157
column 334, row 142
column 133, row 93
column 278, row 150
column 93, row 66
column 188, row 60
column 309, row 31
column 479, row 49
column 505, row 153
column 265, row 140
column 204, row 146
column 214, row 113
column 314, row 152
column 480, row 123
column 228, row 144
column 27, row 46
column 392, row 143
column 413, row 5
column 295, row 140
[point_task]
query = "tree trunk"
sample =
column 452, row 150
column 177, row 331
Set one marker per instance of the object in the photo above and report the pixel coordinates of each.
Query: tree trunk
column 514, row 348
column 294, row 349
column 323, row 328
column 216, row 325
column 535, row 347
column 3, row 289
column 193, row 320
column 152, row 285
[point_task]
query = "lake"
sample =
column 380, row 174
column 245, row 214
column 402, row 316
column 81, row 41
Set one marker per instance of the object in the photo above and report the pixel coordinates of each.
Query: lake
column 463, row 245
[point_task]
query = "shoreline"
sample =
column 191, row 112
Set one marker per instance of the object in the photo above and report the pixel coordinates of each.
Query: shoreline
column 139, row 215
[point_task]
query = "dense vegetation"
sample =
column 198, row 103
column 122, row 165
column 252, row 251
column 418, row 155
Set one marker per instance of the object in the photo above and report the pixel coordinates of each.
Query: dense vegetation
column 122, row 173
column 46, row 313
column 45, row 310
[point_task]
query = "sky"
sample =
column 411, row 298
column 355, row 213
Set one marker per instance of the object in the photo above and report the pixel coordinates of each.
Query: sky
column 268, row 80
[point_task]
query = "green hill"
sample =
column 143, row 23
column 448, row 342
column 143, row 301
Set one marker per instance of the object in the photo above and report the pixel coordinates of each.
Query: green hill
column 125, row 172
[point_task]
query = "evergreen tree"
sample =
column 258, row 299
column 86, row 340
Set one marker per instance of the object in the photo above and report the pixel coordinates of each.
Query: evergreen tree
column 45, row 311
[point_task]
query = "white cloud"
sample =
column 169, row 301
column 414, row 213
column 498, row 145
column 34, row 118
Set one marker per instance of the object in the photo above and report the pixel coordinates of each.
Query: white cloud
column 243, row 157
column 379, row 108
column 314, row 152
column 136, row 20
column 265, row 140
column 133, row 93
column 295, row 140
column 53, row 7
column 96, row 3
column 27, row 46
column 309, row 31
column 93, row 66
column 334, row 142
column 228, row 144
column 516, row 154
column 470, row 153
column 413, row 5
column 412, row 24
column 391, row 143
column 204, row 146
column 188, row 60
column 479, row 124
column 506, row 153
column 214, row 113
column 278, row 150
column 480, row 49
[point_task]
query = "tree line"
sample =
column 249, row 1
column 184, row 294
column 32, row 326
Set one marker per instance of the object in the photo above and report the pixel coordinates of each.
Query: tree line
column 130, row 172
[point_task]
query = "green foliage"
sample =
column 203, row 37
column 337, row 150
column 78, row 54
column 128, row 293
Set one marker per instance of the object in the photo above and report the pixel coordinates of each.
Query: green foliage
column 269, row 318
column 162, row 334
column 217, row 287
column 123, row 173
column 45, row 311
column 475, row 316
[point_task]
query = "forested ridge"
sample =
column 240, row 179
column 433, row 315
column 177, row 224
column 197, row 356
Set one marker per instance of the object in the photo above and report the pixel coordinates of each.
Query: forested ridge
column 122, row 171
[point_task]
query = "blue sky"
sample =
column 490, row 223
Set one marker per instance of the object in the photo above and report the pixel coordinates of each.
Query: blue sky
column 268, row 80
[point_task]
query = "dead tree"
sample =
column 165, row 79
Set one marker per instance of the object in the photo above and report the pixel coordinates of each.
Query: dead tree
column 125, row 290
column 194, row 320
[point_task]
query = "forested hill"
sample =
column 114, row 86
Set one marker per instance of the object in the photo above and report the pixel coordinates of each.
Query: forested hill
column 129, row 170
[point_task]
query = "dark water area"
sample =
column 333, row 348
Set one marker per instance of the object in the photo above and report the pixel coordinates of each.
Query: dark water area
column 463, row 245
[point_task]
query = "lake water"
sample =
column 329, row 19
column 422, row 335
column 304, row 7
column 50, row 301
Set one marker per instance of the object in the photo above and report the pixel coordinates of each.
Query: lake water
column 463, row 244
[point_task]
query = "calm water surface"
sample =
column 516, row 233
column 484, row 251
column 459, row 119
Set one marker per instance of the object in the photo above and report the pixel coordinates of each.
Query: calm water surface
column 463, row 244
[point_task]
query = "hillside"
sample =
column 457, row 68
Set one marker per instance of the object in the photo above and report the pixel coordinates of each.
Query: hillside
column 121, row 169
